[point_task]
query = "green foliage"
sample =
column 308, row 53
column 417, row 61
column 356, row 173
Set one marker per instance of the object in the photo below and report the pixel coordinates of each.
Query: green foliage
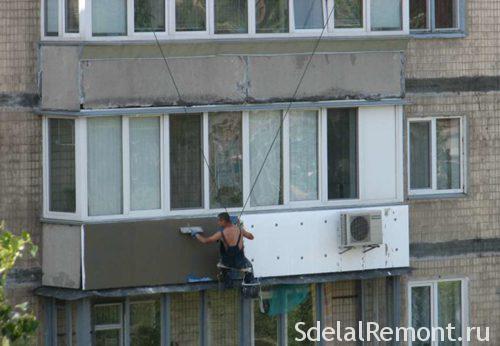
column 16, row 322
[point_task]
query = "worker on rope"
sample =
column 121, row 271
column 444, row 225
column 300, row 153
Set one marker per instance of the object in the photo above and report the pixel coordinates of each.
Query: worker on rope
column 231, row 236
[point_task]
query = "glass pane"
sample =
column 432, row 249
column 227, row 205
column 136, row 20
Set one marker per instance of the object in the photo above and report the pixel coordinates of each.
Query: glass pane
column 418, row 14
column 145, row 323
column 144, row 163
column 107, row 314
column 62, row 332
column 421, row 310
column 265, row 327
column 420, row 155
column 62, row 165
column 308, row 14
column 231, row 16
column 107, row 337
column 305, row 312
column 225, row 160
column 51, row 17
column 303, row 155
column 342, row 153
column 386, row 15
column 149, row 15
column 448, row 153
column 105, row 188
column 268, row 186
column 186, row 164
column 271, row 16
column 72, row 16
column 185, row 318
column 109, row 17
column 190, row 15
column 446, row 14
column 348, row 14
column 223, row 317
column 450, row 309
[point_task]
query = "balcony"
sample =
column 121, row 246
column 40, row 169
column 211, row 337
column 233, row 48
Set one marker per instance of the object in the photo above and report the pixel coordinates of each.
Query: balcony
column 151, row 253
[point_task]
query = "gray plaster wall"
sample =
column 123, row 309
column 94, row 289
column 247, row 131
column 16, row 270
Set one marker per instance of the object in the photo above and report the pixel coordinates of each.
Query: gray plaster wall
column 93, row 77
column 61, row 256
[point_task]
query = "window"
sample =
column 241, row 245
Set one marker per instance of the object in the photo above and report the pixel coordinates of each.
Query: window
column 104, row 141
column 51, row 17
column 226, row 185
column 72, row 19
column 231, row 16
column 223, row 317
column 437, row 304
column 435, row 155
column 186, row 163
column 62, row 165
column 109, row 17
column 342, row 153
column 145, row 323
column 386, row 15
column 190, row 15
column 268, row 187
column 308, row 14
column 435, row 15
column 149, row 15
column 303, row 155
column 271, row 16
column 107, row 324
column 348, row 14
column 185, row 317
column 145, row 186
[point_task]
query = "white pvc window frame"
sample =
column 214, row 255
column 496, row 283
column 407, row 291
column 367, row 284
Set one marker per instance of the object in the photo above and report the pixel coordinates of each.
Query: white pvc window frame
column 171, row 33
column 433, row 285
column 433, row 190
column 431, row 19
column 61, row 22
column 81, row 188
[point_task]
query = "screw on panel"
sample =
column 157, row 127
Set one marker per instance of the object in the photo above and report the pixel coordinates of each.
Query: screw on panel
column 301, row 257
column 275, row 225
column 277, row 257
column 326, row 255
column 326, row 221
column 302, row 224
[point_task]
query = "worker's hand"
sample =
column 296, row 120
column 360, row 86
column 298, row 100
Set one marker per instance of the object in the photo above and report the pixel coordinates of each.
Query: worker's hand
column 194, row 232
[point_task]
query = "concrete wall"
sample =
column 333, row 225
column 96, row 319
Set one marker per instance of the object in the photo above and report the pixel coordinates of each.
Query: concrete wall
column 89, row 77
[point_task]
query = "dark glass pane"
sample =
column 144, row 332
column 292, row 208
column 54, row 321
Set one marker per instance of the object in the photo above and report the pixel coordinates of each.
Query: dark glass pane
column 72, row 16
column 271, row 16
column 223, row 317
column 420, row 155
column 185, row 320
column 342, row 153
column 149, row 15
column 421, row 310
column 418, row 14
column 448, row 153
column 225, row 160
column 231, row 16
column 446, row 14
column 62, row 165
column 348, row 14
column 450, row 309
column 186, row 164
column 190, row 15
column 265, row 327
column 145, row 323
column 304, row 312
column 308, row 14
column 108, row 337
column 107, row 314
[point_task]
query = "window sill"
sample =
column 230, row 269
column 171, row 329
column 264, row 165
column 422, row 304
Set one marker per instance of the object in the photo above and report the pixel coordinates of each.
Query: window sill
column 438, row 34
column 437, row 196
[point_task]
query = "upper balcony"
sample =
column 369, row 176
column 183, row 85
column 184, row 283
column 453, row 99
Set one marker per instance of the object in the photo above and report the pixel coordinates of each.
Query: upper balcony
column 136, row 20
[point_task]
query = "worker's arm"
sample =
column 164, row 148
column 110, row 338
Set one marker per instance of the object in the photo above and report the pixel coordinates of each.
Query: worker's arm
column 207, row 240
column 247, row 234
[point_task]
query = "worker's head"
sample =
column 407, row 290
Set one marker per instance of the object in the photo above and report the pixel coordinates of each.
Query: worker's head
column 223, row 219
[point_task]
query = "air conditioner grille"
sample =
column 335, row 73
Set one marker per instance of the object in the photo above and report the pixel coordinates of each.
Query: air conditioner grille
column 360, row 228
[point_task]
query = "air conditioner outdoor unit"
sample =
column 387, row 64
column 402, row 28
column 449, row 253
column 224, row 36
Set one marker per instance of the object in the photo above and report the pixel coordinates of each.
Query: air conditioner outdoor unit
column 361, row 229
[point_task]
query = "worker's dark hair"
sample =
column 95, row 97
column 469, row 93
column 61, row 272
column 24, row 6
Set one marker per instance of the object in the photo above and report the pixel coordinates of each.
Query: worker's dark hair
column 224, row 217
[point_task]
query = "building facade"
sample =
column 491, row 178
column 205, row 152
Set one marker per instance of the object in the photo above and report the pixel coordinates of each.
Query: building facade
column 358, row 136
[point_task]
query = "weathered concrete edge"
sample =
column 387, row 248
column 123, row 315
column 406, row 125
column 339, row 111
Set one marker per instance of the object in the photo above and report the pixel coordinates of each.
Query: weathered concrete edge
column 455, row 84
column 455, row 248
